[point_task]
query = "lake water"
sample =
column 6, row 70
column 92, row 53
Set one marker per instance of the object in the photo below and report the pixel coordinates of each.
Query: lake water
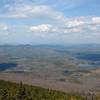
column 4, row 66
column 87, row 66
column 90, row 57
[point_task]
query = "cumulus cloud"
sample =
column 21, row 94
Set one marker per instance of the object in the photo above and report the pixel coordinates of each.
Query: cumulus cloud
column 96, row 20
column 32, row 11
column 76, row 25
column 41, row 28
column 3, row 27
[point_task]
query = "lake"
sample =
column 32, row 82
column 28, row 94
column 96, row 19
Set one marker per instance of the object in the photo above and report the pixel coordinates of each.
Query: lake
column 4, row 66
column 90, row 57
column 87, row 66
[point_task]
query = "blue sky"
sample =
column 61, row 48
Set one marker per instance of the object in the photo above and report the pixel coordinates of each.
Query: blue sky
column 49, row 21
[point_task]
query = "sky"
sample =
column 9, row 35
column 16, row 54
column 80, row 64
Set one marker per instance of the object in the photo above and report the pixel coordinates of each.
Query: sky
column 49, row 21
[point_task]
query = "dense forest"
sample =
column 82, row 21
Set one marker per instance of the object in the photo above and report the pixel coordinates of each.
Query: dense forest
column 15, row 91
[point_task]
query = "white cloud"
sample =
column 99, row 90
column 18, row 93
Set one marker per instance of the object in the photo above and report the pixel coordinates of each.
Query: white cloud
column 32, row 11
column 41, row 28
column 74, row 23
column 3, row 27
column 96, row 20
column 81, row 25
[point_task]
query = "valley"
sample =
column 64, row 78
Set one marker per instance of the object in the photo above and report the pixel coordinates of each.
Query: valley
column 65, row 68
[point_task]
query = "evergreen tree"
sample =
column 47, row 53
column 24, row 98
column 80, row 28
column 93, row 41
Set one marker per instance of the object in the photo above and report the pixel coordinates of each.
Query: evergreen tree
column 4, row 94
column 22, row 94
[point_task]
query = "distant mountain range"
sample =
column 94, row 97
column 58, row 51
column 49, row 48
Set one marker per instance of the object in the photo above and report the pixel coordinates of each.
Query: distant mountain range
column 55, row 45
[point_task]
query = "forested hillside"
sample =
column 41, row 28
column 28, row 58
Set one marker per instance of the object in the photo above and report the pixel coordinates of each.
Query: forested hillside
column 13, row 91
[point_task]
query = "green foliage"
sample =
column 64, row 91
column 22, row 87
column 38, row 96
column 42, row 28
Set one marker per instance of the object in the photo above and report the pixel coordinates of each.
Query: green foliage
column 13, row 91
column 4, row 94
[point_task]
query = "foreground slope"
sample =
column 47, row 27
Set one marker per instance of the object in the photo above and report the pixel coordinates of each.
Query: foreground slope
column 13, row 91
